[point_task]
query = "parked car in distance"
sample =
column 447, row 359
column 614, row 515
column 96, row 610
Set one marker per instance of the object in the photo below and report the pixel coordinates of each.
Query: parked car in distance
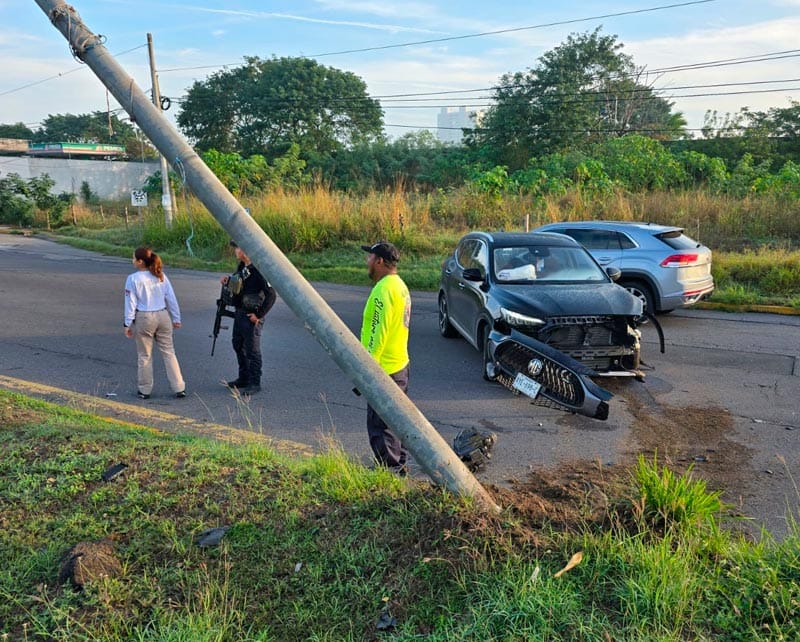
column 542, row 286
column 660, row 264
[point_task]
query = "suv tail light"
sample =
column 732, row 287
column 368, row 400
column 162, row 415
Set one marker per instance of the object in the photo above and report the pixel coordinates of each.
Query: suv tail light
column 677, row 260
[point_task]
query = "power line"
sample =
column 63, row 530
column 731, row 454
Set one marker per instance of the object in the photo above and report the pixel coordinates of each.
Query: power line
column 515, row 29
column 692, row 66
column 61, row 74
column 579, row 96
column 778, row 55
column 605, row 93
column 470, row 35
column 592, row 96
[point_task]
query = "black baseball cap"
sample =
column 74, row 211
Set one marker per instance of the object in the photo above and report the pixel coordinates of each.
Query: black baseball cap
column 233, row 244
column 383, row 249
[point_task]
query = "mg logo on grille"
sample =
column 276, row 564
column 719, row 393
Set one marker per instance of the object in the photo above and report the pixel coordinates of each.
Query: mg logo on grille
column 535, row 367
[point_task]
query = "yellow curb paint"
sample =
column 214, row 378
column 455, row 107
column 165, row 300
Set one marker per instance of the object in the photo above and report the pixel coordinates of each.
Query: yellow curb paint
column 122, row 413
column 733, row 307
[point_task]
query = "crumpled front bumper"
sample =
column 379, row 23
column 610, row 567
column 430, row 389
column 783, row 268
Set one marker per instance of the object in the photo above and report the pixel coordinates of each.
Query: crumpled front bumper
column 565, row 383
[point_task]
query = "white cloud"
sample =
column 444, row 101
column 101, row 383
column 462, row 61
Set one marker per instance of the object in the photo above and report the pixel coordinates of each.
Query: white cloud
column 415, row 10
column 270, row 15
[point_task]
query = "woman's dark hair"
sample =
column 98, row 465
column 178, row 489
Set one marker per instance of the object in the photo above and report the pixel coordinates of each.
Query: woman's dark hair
column 151, row 260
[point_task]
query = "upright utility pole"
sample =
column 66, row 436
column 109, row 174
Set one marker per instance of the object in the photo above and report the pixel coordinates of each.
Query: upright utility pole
column 166, row 193
column 433, row 454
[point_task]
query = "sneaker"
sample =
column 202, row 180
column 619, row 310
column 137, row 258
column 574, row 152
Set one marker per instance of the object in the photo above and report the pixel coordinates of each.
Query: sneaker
column 237, row 383
column 180, row 395
column 141, row 395
column 249, row 390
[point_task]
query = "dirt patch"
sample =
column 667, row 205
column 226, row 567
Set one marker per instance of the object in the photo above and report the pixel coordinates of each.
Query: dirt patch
column 689, row 437
column 565, row 497
column 574, row 493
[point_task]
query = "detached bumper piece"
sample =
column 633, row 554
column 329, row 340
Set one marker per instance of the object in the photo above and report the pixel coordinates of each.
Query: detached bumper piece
column 565, row 383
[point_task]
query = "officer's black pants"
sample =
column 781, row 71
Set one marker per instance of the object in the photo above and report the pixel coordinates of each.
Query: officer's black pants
column 247, row 346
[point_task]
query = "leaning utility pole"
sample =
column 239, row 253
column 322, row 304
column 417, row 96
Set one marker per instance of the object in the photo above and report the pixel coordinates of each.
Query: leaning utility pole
column 166, row 192
column 433, row 454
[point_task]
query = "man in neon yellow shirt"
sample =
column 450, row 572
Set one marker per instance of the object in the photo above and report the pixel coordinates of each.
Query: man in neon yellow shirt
column 384, row 333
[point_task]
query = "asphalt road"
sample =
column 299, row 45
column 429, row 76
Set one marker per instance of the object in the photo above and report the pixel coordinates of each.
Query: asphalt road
column 61, row 325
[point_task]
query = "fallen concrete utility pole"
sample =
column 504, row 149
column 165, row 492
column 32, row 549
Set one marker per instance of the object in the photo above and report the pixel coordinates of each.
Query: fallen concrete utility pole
column 432, row 453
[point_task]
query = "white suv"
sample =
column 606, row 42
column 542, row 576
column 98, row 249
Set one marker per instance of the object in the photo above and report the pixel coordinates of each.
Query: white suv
column 660, row 264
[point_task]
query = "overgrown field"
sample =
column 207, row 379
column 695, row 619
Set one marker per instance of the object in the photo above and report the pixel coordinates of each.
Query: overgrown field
column 756, row 240
column 320, row 548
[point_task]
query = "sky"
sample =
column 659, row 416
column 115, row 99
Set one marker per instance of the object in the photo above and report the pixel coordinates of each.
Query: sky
column 739, row 53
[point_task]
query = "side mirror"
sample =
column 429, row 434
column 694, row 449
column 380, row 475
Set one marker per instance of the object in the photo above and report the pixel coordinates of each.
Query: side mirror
column 613, row 273
column 473, row 274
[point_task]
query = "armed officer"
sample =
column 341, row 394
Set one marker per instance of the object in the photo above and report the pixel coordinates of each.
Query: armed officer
column 253, row 297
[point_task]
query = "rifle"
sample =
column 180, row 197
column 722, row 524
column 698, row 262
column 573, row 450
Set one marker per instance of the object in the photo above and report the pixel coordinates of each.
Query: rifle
column 222, row 311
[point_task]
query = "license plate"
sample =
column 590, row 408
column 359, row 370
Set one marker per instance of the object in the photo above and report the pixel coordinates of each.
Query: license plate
column 526, row 385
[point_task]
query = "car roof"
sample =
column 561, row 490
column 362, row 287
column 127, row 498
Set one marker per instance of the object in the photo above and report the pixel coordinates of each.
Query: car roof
column 523, row 238
column 652, row 228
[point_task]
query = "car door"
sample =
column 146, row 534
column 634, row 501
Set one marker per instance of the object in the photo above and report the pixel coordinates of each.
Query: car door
column 603, row 245
column 466, row 299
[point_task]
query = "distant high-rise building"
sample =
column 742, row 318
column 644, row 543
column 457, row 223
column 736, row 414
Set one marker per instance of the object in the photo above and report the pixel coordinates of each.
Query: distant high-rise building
column 451, row 120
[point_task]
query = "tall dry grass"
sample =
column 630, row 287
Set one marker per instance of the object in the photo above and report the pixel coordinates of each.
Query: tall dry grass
column 317, row 218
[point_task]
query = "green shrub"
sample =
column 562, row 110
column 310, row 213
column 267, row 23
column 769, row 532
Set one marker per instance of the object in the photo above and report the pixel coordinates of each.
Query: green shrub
column 674, row 500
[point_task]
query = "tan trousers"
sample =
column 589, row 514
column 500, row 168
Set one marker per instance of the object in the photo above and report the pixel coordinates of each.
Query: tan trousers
column 147, row 328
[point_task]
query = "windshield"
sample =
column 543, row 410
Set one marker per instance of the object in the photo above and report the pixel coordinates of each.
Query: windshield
column 536, row 264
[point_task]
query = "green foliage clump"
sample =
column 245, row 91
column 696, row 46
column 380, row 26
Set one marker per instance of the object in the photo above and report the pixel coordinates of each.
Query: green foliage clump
column 15, row 206
column 19, row 199
column 639, row 163
column 703, row 171
column 670, row 500
column 253, row 175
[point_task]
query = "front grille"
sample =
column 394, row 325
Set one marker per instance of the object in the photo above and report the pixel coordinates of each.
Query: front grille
column 561, row 388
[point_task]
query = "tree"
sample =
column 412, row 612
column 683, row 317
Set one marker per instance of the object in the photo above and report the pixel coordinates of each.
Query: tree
column 265, row 106
column 583, row 91
column 416, row 160
column 17, row 130
column 731, row 137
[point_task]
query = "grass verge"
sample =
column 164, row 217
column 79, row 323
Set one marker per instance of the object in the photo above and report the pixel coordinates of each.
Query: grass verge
column 320, row 548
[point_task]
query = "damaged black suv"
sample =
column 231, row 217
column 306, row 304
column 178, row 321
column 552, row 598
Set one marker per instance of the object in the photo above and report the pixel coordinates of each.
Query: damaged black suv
column 505, row 291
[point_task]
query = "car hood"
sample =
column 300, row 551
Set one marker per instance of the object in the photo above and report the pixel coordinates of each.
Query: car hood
column 559, row 299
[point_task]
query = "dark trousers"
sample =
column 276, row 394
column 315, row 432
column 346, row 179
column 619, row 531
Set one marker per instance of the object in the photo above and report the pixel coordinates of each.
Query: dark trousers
column 386, row 446
column 247, row 346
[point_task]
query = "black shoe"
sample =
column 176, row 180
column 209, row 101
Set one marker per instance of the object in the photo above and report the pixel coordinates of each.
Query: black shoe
column 180, row 395
column 250, row 390
column 141, row 395
column 237, row 383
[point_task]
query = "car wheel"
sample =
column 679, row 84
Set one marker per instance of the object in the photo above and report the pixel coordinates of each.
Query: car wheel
column 445, row 328
column 642, row 292
column 488, row 362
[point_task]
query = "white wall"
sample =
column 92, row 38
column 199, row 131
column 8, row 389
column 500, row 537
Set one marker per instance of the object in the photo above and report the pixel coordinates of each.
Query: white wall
column 107, row 179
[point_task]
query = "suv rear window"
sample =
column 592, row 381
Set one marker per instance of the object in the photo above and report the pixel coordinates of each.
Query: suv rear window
column 677, row 240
